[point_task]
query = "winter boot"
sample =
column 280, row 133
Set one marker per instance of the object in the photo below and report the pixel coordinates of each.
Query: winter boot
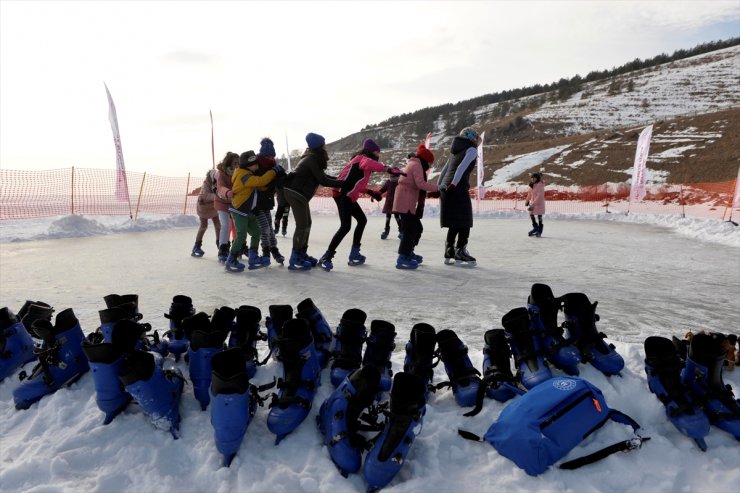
column 61, row 361
column 378, row 350
column 580, row 319
column 320, row 329
column 325, row 260
column 703, row 376
column 197, row 250
column 543, row 311
column 407, row 408
column 663, row 368
column 531, row 366
column 339, row 418
column 539, row 230
column 157, row 390
column 206, row 339
column 462, row 257
column 223, row 252
column 419, row 358
column 384, row 234
column 255, row 261
column 406, row 262
column 279, row 258
column 464, row 378
column 177, row 341
column 245, row 334
column 497, row 377
column 301, row 378
column 279, row 314
column 232, row 407
column 16, row 344
column 348, row 340
column 355, row 257
column 449, row 253
column 106, row 362
column 297, row 262
column 313, row 261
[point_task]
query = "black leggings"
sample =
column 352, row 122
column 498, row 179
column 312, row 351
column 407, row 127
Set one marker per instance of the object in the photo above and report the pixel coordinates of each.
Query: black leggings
column 462, row 235
column 399, row 222
column 348, row 210
column 412, row 229
column 534, row 223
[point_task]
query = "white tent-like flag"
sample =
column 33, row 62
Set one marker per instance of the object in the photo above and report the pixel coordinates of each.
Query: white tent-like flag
column 637, row 192
column 428, row 140
column 481, row 188
column 213, row 148
column 121, row 183
column 736, row 197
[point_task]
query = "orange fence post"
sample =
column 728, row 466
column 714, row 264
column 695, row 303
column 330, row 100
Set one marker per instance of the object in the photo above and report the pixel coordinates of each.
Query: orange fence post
column 138, row 200
column 73, row 190
column 187, row 187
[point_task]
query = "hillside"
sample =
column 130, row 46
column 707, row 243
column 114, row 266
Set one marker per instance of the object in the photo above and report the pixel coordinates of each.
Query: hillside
column 591, row 135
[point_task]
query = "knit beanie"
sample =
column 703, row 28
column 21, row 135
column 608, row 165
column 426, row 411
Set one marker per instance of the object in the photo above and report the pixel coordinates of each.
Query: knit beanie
column 267, row 148
column 369, row 145
column 314, row 141
column 425, row 154
column 469, row 133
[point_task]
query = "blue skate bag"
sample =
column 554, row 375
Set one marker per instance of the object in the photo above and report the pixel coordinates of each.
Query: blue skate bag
column 540, row 427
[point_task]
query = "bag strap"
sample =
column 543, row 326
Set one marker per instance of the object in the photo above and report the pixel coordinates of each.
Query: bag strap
column 624, row 446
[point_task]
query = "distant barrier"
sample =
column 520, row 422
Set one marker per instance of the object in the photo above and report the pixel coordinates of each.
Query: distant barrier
column 84, row 191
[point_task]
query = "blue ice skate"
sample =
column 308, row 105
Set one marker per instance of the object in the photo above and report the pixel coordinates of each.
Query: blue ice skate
column 663, row 368
column 407, row 408
column 301, row 378
column 177, row 342
column 339, row 418
column 498, row 379
column 529, row 361
column 378, row 350
column 279, row 314
column 703, row 376
column 206, row 339
column 464, row 378
column 320, row 329
column 420, row 350
column 245, row 334
column 16, row 344
column 580, row 320
column 61, row 361
column 543, row 312
column 348, row 341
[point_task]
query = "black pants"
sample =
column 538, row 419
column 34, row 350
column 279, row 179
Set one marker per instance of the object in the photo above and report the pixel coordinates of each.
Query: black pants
column 534, row 223
column 302, row 215
column 459, row 234
column 412, row 230
column 281, row 214
column 398, row 219
column 348, row 210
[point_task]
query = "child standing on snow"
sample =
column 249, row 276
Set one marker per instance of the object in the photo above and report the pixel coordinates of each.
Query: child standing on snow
column 206, row 210
column 536, row 203
column 389, row 189
column 266, row 202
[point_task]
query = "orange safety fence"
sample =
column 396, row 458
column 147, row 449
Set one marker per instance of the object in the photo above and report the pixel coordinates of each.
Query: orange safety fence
column 85, row 191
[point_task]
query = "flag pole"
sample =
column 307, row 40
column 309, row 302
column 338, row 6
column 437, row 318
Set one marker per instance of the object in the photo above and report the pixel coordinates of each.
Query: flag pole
column 213, row 153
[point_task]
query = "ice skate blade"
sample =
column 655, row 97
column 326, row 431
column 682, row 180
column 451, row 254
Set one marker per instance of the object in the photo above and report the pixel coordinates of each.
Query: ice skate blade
column 462, row 263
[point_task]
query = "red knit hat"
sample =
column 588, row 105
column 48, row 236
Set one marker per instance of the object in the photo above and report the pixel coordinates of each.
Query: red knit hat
column 425, row 154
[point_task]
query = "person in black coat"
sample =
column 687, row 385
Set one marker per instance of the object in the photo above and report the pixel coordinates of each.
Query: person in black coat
column 456, row 208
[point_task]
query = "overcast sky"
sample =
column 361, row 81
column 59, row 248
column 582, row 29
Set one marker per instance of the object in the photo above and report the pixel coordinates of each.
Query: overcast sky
column 283, row 68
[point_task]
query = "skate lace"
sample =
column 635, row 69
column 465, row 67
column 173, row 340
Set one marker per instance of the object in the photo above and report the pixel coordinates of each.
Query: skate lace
column 47, row 357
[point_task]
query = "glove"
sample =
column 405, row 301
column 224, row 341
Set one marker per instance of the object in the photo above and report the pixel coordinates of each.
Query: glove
column 374, row 196
column 450, row 187
column 526, row 204
column 433, row 195
column 420, row 210
column 279, row 170
column 395, row 171
column 530, row 208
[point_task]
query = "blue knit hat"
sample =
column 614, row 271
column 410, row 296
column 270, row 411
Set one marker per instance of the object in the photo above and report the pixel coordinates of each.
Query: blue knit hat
column 267, row 148
column 369, row 145
column 314, row 141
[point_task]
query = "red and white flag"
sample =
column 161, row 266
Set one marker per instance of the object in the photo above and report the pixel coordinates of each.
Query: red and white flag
column 481, row 188
column 736, row 198
column 428, row 140
column 213, row 150
column 121, row 183
column 637, row 192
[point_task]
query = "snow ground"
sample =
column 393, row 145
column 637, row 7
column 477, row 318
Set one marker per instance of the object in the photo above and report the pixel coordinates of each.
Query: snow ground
column 649, row 279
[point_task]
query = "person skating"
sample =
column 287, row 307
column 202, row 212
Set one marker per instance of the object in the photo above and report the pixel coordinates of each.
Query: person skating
column 407, row 204
column 266, row 202
column 389, row 189
column 356, row 175
column 244, row 198
column 536, row 203
column 299, row 189
column 206, row 210
column 222, row 201
column 456, row 208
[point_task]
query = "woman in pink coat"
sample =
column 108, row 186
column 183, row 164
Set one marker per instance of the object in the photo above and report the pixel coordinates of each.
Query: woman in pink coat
column 206, row 210
column 355, row 176
column 536, row 203
column 406, row 203
column 222, row 201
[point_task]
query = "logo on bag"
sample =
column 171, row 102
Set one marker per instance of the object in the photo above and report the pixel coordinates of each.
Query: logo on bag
column 563, row 384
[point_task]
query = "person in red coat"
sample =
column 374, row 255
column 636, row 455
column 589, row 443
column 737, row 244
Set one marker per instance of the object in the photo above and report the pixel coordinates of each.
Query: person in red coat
column 407, row 203
column 536, row 203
